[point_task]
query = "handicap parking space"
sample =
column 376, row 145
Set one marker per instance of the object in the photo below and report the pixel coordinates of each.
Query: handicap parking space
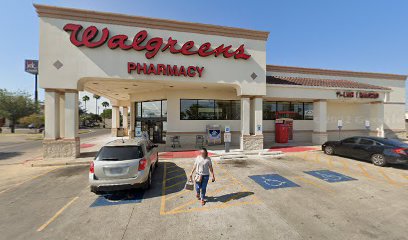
column 118, row 198
column 329, row 176
column 273, row 181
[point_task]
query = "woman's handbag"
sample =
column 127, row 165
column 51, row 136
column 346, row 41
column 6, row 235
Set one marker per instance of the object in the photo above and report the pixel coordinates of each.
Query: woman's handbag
column 189, row 185
column 198, row 177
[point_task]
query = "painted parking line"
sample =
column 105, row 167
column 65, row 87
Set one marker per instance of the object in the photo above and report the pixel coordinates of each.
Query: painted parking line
column 273, row 181
column 314, row 184
column 118, row 198
column 329, row 176
column 56, row 214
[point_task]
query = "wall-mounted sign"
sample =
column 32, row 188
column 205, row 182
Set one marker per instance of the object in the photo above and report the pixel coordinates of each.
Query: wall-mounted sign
column 89, row 38
column 346, row 94
column 368, row 94
column 357, row 94
column 165, row 69
column 31, row 66
column 227, row 129
column 339, row 123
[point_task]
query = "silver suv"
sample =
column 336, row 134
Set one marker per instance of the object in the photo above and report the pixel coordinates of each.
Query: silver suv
column 123, row 164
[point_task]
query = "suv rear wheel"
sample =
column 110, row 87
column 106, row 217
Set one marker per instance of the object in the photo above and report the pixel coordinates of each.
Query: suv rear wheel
column 378, row 160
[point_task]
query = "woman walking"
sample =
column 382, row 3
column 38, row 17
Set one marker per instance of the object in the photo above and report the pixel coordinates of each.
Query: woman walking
column 202, row 167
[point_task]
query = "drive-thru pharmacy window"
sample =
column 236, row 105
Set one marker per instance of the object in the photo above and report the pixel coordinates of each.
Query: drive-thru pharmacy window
column 297, row 110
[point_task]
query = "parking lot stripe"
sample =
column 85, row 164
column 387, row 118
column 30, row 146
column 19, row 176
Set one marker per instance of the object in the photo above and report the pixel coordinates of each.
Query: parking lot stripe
column 181, row 175
column 163, row 198
column 57, row 214
column 177, row 194
column 389, row 180
column 27, row 180
column 330, row 162
column 313, row 183
column 177, row 170
column 176, row 184
column 364, row 171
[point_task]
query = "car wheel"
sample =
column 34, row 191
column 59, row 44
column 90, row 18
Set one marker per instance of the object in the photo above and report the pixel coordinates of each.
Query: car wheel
column 148, row 183
column 378, row 160
column 329, row 150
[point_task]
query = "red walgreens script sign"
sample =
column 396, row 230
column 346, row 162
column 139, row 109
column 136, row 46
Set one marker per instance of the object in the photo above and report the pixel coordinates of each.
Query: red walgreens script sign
column 91, row 39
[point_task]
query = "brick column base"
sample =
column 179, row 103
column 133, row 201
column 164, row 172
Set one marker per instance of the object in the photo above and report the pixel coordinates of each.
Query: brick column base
column 61, row 148
column 252, row 142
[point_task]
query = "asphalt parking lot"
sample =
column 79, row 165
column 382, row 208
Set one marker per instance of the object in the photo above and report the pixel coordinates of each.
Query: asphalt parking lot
column 305, row 195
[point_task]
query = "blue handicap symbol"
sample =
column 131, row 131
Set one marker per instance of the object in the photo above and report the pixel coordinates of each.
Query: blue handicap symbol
column 330, row 176
column 273, row 181
column 118, row 198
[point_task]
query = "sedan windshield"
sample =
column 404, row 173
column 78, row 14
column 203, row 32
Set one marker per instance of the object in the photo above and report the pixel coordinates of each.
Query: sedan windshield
column 119, row 153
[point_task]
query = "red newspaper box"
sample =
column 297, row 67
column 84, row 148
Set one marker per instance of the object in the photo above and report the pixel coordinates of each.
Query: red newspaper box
column 281, row 131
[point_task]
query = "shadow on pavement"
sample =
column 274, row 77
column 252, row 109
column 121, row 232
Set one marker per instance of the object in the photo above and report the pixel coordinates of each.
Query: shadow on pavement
column 228, row 197
column 88, row 154
column 7, row 155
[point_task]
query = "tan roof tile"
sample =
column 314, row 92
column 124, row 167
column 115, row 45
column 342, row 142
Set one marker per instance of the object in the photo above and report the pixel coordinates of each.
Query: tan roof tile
column 314, row 82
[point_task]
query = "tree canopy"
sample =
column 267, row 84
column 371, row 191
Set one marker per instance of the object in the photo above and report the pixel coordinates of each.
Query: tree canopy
column 15, row 105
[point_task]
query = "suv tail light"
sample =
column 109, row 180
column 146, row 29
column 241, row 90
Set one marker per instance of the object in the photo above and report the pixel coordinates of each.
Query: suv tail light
column 400, row 151
column 92, row 168
column 142, row 164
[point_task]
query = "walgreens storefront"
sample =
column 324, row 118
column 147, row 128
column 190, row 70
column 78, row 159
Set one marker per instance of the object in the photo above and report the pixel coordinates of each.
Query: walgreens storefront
column 177, row 79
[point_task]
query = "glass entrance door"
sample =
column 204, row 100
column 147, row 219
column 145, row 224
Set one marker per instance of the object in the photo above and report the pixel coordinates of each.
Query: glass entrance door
column 154, row 130
column 152, row 118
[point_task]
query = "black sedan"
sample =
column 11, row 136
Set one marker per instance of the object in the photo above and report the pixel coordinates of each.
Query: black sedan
column 380, row 151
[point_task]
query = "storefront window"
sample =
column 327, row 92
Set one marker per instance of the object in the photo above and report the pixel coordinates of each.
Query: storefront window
column 151, row 109
column 138, row 109
column 297, row 108
column 308, row 109
column 164, row 108
column 209, row 109
column 206, row 109
column 235, row 110
column 188, row 109
column 269, row 110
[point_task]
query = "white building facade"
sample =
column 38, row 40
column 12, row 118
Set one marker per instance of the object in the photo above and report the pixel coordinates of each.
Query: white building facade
column 171, row 78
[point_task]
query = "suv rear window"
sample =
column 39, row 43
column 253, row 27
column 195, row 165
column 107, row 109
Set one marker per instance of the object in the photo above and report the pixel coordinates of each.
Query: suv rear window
column 119, row 153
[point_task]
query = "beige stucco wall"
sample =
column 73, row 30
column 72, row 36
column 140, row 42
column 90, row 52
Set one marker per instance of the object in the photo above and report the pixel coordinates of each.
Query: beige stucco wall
column 105, row 63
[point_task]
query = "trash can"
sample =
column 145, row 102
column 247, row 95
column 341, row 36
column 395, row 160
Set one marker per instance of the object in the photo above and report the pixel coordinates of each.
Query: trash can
column 281, row 131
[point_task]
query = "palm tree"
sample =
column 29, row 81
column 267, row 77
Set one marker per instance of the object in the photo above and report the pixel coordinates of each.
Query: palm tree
column 96, row 102
column 105, row 105
column 85, row 99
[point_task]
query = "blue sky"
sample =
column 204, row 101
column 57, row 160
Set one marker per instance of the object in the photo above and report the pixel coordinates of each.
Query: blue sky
column 360, row 35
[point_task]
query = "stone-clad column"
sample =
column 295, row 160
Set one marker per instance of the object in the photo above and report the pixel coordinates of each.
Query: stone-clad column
column 248, row 141
column 132, row 120
column 319, row 135
column 125, row 113
column 52, row 114
column 115, row 121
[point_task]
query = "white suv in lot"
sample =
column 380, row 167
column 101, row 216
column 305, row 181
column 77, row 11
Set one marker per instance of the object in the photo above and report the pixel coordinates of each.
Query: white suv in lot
column 123, row 164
